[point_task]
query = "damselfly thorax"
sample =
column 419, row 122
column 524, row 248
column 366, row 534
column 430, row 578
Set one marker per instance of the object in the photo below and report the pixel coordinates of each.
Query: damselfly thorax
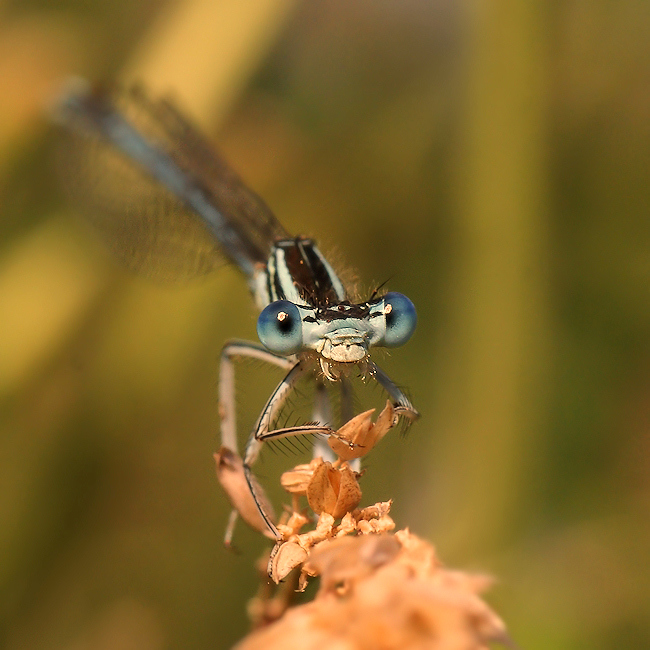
column 308, row 324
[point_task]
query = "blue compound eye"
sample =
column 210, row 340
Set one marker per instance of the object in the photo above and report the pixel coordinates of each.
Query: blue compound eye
column 280, row 328
column 401, row 319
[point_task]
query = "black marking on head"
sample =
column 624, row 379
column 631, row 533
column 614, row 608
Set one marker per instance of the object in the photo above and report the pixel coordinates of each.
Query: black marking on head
column 350, row 311
column 374, row 300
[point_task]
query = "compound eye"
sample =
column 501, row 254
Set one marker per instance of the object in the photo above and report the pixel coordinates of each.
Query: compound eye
column 401, row 319
column 279, row 327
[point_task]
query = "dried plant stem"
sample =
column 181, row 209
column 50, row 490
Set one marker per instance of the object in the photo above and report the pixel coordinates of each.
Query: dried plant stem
column 271, row 601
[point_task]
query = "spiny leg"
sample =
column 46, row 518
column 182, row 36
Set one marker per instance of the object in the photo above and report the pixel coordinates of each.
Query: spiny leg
column 227, row 411
column 270, row 411
column 401, row 402
column 347, row 413
column 231, row 351
column 307, row 429
column 263, row 432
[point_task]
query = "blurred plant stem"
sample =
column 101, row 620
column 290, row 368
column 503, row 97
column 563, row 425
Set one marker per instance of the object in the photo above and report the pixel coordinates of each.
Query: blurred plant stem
column 204, row 52
column 490, row 414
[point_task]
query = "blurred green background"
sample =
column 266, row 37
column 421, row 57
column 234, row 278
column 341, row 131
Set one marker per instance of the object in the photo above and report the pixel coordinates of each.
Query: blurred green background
column 491, row 159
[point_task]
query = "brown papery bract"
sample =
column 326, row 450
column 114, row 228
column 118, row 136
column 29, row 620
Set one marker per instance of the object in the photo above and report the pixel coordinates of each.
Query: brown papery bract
column 230, row 472
column 360, row 434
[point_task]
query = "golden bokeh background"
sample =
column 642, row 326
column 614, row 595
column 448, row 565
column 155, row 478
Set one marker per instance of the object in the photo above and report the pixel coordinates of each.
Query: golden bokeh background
column 491, row 159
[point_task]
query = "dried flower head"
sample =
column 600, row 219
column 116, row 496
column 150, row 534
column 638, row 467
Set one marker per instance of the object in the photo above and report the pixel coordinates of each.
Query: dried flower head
column 285, row 557
column 386, row 591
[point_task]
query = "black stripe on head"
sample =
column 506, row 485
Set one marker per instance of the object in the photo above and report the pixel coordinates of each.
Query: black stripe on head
column 342, row 311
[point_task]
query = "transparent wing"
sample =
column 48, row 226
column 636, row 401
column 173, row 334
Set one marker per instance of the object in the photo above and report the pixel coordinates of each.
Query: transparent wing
column 165, row 234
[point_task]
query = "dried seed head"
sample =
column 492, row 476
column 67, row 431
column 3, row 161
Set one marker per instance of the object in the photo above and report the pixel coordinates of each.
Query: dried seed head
column 291, row 524
column 333, row 490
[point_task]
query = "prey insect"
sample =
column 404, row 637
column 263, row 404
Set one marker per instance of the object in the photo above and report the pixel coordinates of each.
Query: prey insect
column 307, row 325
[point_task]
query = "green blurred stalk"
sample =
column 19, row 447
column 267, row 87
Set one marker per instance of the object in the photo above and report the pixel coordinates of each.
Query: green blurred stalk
column 496, row 348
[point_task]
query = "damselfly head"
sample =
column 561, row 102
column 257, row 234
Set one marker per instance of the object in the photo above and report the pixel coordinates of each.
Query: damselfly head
column 341, row 333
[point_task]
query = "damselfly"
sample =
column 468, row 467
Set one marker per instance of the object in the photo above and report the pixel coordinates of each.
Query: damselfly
column 308, row 326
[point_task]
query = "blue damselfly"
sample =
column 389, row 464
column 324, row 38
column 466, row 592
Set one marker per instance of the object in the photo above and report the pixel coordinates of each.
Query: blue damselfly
column 307, row 325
